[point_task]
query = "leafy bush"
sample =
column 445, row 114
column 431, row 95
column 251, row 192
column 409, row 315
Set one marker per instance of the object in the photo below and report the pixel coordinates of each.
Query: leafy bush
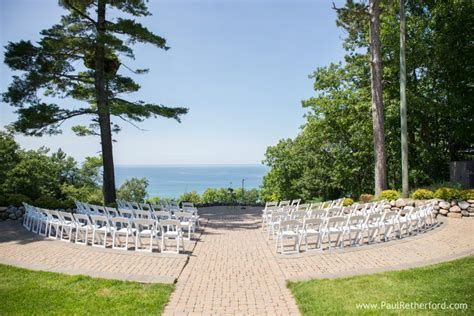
column 389, row 195
column 422, row 194
column 209, row 196
column 366, row 198
column 84, row 193
column 49, row 202
column 467, row 194
column 17, row 199
column 448, row 194
column 154, row 200
column 192, row 197
column 347, row 202
column 133, row 189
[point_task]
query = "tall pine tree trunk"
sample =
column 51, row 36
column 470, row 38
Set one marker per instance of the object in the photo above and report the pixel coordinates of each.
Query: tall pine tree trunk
column 103, row 108
column 403, row 102
column 377, row 100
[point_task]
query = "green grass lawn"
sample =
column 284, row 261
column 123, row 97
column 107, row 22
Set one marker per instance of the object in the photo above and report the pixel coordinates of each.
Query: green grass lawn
column 29, row 292
column 450, row 282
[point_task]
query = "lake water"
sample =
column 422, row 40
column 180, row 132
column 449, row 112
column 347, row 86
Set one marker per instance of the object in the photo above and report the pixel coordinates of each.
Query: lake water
column 174, row 180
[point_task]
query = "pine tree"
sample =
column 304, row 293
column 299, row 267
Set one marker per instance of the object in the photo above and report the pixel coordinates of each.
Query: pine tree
column 81, row 59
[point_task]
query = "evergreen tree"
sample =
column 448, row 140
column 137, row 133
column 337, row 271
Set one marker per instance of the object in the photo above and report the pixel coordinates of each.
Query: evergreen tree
column 81, row 58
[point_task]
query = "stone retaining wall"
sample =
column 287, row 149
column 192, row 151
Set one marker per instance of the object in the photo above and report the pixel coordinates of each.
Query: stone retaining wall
column 456, row 209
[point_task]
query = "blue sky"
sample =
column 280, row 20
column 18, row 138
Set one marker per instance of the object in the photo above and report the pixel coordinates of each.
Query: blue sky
column 240, row 66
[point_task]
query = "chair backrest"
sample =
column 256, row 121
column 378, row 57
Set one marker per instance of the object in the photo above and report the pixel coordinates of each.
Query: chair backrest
column 270, row 204
column 313, row 223
column 332, row 212
column 125, row 213
column 111, row 212
column 187, row 204
column 284, row 203
column 160, row 215
column 298, row 215
column 303, row 207
column 145, row 206
column 295, row 202
column 82, row 218
column 357, row 220
column 99, row 220
column 170, row 225
column 183, row 216
column 142, row 214
column 66, row 217
column 318, row 213
column 374, row 218
column 337, row 222
column 120, row 222
column 174, row 204
column 156, row 207
column 390, row 215
column 142, row 223
column 290, row 225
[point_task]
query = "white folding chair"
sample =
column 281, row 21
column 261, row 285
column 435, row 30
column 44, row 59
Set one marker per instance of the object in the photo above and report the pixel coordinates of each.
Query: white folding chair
column 144, row 228
column 389, row 222
column 100, row 230
column 121, row 227
column 171, row 230
column 83, row 226
column 68, row 224
column 288, row 230
column 373, row 225
column 336, row 226
column 186, row 221
column 355, row 228
column 312, row 227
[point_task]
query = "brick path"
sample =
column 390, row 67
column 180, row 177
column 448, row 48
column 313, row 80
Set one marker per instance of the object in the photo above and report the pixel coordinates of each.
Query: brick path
column 233, row 269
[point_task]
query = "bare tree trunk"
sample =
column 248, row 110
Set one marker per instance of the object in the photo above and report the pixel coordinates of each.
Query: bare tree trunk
column 103, row 108
column 403, row 103
column 377, row 99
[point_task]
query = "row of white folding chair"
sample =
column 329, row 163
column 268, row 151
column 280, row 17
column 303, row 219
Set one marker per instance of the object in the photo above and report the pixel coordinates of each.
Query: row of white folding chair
column 372, row 225
column 63, row 225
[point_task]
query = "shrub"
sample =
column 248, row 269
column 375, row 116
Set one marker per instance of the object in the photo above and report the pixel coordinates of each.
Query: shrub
column 52, row 203
column 467, row 194
column 192, row 197
column 422, row 194
column 84, row 193
column 17, row 199
column 209, row 196
column 133, row 189
column 447, row 194
column 347, row 202
column 366, row 198
column 389, row 195
column 154, row 200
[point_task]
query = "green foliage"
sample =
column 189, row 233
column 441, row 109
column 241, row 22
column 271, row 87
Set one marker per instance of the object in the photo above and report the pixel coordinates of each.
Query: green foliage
column 324, row 297
column 332, row 156
column 37, row 173
column 133, row 189
column 467, row 194
column 154, row 200
column 347, row 202
column 389, row 195
column 17, row 199
column 49, row 202
column 192, row 197
column 210, row 196
column 84, row 193
column 247, row 197
column 422, row 194
column 71, row 74
column 448, row 194
column 366, row 198
column 23, row 292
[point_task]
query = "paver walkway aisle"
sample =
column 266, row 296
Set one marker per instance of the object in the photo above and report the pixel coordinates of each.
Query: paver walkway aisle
column 232, row 270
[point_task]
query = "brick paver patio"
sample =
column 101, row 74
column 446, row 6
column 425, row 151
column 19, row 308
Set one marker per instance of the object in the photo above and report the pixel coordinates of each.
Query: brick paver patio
column 233, row 269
